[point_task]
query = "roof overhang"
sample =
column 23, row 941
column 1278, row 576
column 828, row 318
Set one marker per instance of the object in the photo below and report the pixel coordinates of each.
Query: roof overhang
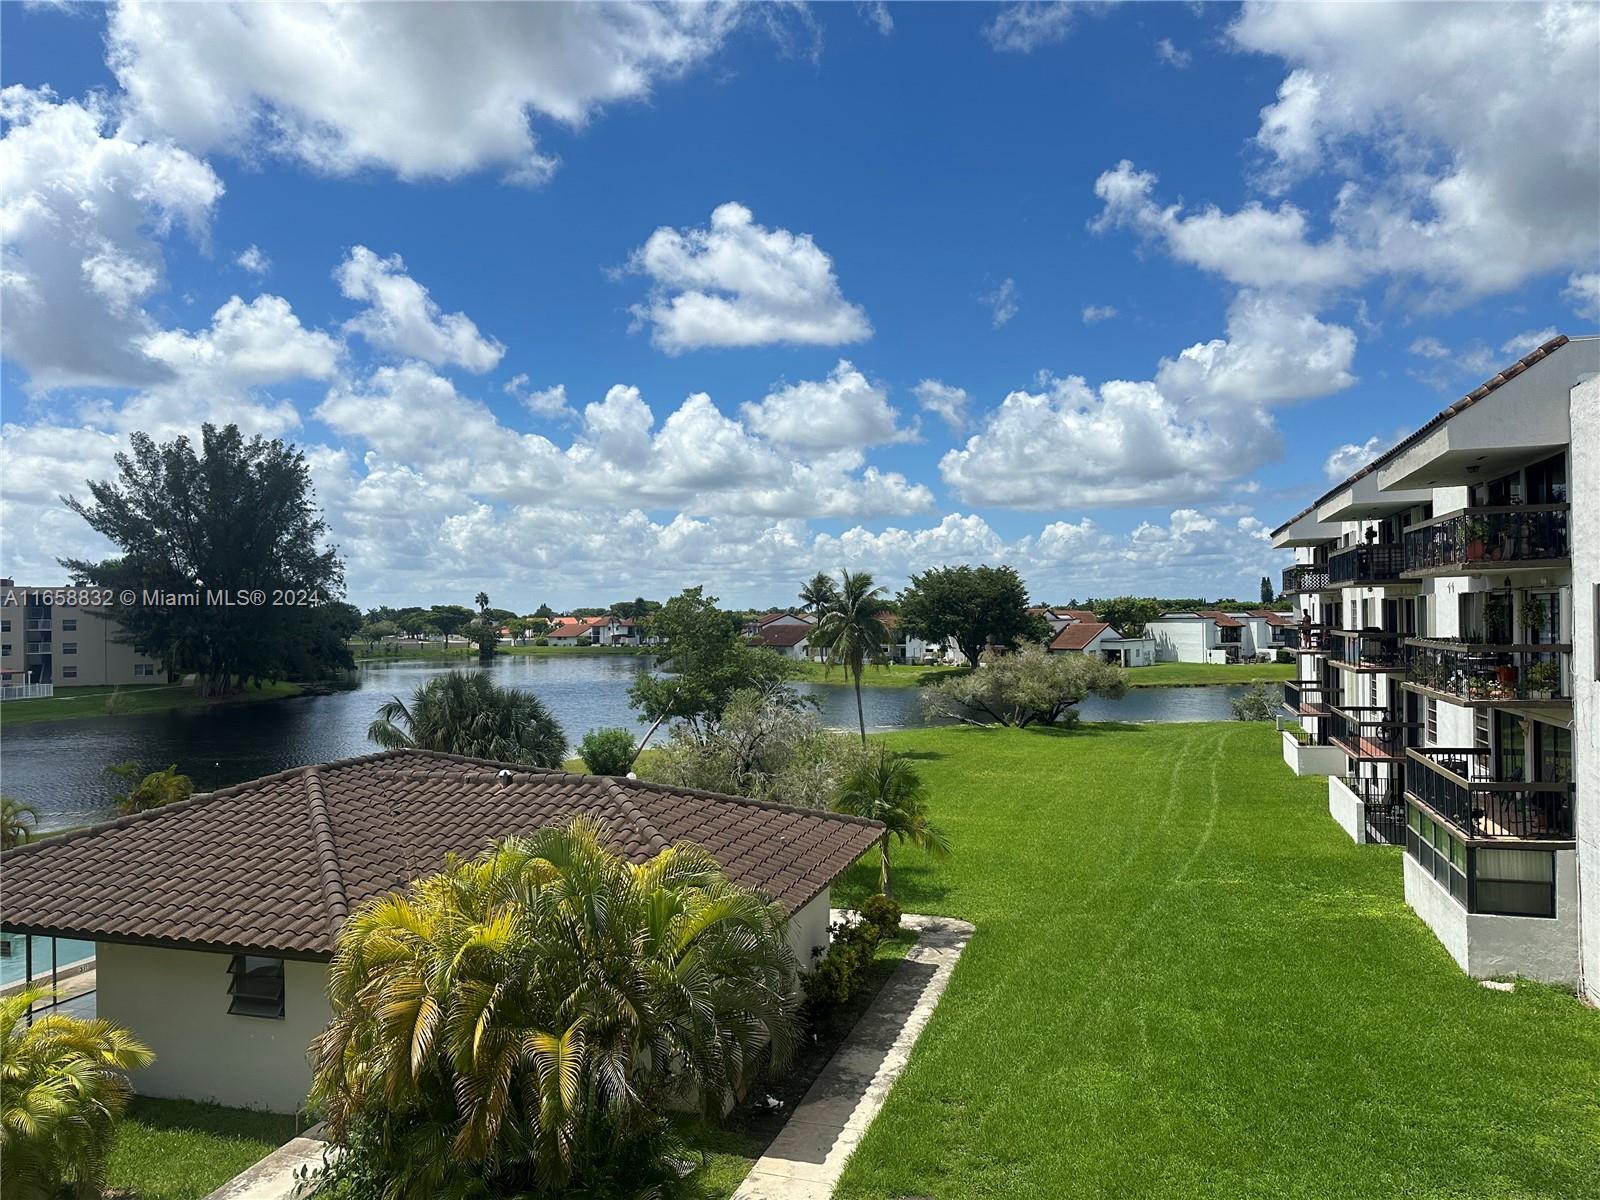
column 1306, row 530
column 1364, row 500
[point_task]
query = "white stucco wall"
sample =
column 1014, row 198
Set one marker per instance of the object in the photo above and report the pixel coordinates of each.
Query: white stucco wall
column 176, row 1002
column 808, row 929
column 1486, row 945
column 1312, row 760
column 1184, row 640
column 1584, row 528
column 1348, row 809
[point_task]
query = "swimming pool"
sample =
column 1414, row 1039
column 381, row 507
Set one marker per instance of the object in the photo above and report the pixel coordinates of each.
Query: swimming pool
column 14, row 964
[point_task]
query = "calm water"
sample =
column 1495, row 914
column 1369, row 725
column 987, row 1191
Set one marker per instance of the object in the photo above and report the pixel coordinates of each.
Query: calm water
column 58, row 765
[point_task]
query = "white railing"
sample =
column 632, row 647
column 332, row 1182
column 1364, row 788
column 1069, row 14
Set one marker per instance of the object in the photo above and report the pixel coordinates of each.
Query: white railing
column 27, row 691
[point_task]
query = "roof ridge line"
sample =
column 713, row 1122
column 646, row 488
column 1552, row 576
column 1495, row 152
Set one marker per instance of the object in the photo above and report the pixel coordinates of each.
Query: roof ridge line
column 657, row 839
column 333, row 892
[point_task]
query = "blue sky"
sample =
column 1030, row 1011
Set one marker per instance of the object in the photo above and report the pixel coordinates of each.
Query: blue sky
column 1113, row 283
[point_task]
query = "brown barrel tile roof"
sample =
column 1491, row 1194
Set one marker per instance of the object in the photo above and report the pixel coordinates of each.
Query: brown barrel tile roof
column 274, row 865
column 1077, row 636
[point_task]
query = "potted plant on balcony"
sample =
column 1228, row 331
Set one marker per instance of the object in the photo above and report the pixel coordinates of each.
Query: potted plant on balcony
column 1477, row 536
column 1544, row 679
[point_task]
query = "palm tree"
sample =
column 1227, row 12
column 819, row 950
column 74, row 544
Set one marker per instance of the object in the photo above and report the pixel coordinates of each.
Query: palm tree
column 819, row 592
column 62, row 1091
column 887, row 788
column 17, row 819
column 155, row 789
column 851, row 632
column 521, row 1022
column 482, row 601
column 466, row 713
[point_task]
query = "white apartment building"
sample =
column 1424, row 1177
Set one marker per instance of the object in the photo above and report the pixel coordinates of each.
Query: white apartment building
column 47, row 637
column 1448, row 668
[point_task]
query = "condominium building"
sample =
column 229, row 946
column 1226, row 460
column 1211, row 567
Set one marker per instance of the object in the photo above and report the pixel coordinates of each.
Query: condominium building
column 46, row 636
column 1447, row 679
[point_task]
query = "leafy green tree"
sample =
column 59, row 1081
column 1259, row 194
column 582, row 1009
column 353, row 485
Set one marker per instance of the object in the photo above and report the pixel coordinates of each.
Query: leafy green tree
column 818, row 592
column 520, row 1025
column 545, row 611
column 154, row 790
column 977, row 606
column 374, row 632
column 705, row 661
column 887, row 788
column 850, row 630
column 63, row 1089
column 467, row 713
column 1268, row 592
column 517, row 628
column 1260, row 703
column 451, row 619
column 1128, row 615
column 486, row 636
column 1029, row 687
column 238, row 516
column 608, row 751
column 17, row 820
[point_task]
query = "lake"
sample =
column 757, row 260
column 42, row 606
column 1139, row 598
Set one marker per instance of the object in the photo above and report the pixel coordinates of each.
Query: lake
column 59, row 765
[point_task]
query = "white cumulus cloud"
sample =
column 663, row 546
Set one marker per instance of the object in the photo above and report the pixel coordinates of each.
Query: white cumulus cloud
column 844, row 411
column 944, row 401
column 403, row 319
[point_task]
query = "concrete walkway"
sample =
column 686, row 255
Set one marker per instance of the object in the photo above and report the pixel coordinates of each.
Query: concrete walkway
column 807, row 1157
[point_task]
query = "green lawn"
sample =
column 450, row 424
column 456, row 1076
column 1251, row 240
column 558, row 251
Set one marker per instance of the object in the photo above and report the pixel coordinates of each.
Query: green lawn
column 891, row 675
column 180, row 1150
column 1187, row 982
column 1179, row 674
column 70, row 703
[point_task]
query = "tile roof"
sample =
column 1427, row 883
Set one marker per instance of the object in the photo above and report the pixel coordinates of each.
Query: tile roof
column 273, row 866
column 1273, row 616
column 1467, row 401
column 1078, row 635
column 781, row 635
column 1222, row 619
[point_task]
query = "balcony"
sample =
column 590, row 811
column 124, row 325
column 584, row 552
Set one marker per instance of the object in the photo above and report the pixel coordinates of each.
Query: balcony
column 1304, row 698
column 1314, row 639
column 1372, row 734
column 1369, row 649
column 1492, row 538
column 37, row 647
column 1373, row 562
column 1459, row 786
column 1304, row 577
column 1478, row 673
column 1383, row 798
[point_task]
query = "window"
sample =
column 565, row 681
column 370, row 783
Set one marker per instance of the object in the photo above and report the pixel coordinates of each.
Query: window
column 141, row 670
column 6, row 649
column 69, row 647
column 1480, row 728
column 69, row 672
column 1430, row 719
column 256, row 986
column 69, row 625
column 1518, row 883
column 5, row 624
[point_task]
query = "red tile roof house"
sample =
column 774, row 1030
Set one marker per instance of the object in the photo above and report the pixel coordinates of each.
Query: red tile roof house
column 786, row 633
column 1203, row 637
column 1103, row 641
column 215, row 918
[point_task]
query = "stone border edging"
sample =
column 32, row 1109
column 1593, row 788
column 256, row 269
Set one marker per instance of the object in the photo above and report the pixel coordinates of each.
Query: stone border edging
column 806, row 1159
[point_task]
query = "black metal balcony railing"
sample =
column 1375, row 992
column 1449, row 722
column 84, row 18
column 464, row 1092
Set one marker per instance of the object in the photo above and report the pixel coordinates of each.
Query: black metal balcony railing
column 1483, row 673
column 1372, row 734
column 1384, row 798
column 1304, row 577
column 1459, row 785
column 1373, row 649
column 1305, row 698
column 1372, row 562
column 1487, row 538
column 1314, row 639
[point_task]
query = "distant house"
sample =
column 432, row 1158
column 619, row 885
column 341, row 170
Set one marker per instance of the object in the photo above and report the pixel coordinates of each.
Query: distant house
column 1270, row 630
column 1060, row 618
column 215, row 918
column 1103, row 641
column 901, row 646
column 1207, row 636
column 786, row 633
column 570, row 631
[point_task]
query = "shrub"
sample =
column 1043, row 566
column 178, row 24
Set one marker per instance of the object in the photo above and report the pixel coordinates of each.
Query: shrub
column 841, row 970
column 1029, row 687
column 541, row 641
column 883, row 913
column 607, row 751
column 1257, row 704
column 1283, row 656
column 63, row 1091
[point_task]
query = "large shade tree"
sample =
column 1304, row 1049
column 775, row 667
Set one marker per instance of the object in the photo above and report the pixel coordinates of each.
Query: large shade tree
column 977, row 606
column 851, row 632
column 520, row 1024
column 235, row 517
column 63, row 1088
column 467, row 713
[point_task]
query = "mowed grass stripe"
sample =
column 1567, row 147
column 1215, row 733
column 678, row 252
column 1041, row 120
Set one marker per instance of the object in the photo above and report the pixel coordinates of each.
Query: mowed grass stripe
column 1186, row 981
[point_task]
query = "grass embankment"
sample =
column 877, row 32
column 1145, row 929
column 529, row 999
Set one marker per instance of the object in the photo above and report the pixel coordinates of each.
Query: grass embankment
column 890, row 675
column 180, row 1150
column 411, row 652
column 1187, row 982
column 70, row 703
column 1181, row 674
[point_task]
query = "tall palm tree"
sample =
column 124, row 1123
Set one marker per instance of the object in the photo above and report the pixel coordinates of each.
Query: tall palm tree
column 818, row 592
column 62, row 1092
column 481, row 600
column 851, row 631
column 466, row 713
column 17, row 819
column 519, row 1023
column 887, row 788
